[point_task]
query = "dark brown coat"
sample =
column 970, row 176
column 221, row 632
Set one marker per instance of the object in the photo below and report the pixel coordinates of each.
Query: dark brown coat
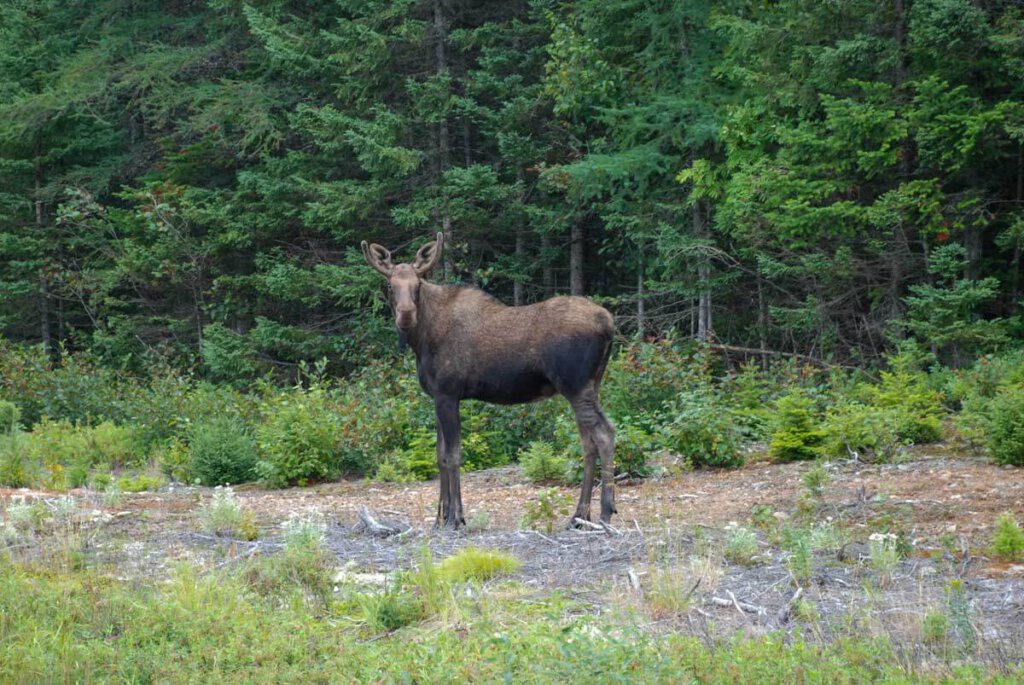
column 469, row 345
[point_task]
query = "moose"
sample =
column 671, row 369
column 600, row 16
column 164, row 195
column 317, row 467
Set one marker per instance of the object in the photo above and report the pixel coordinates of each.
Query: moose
column 468, row 345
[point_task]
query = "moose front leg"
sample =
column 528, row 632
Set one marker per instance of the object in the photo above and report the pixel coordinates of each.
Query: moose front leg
column 449, row 460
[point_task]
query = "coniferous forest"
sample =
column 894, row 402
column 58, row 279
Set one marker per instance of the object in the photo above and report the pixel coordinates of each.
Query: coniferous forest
column 190, row 180
column 217, row 459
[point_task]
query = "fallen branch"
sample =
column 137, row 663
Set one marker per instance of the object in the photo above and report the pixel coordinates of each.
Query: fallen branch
column 740, row 606
column 776, row 353
column 601, row 527
column 372, row 526
column 787, row 610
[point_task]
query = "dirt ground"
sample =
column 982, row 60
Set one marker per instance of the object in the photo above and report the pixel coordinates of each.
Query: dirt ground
column 668, row 533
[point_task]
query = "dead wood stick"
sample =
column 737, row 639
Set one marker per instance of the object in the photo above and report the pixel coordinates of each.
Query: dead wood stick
column 741, row 606
column 787, row 610
column 374, row 527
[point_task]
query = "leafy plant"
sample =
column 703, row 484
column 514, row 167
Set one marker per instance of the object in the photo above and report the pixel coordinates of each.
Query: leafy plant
column 700, row 429
column 1008, row 539
column 740, row 546
column 301, row 439
column 549, row 506
column 870, row 433
column 796, row 435
column 222, row 514
column 815, row 479
column 222, row 451
column 9, row 416
column 542, row 464
column 1004, row 428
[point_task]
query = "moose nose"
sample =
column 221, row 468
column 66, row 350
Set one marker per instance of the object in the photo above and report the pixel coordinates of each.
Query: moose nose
column 406, row 318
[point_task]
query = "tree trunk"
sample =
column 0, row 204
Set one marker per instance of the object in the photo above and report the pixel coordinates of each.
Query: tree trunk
column 443, row 142
column 1015, row 280
column 762, row 322
column 700, row 230
column 576, row 249
column 640, row 323
column 45, row 323
column 517, row 284
column 548, row 273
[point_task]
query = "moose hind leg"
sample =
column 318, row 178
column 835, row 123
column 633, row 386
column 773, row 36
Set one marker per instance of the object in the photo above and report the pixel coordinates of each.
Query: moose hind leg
column 587, row 423
column 442, row 473
column 605, row 439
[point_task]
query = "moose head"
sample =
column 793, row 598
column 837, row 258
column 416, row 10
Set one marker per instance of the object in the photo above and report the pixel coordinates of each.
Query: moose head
column 404, row 279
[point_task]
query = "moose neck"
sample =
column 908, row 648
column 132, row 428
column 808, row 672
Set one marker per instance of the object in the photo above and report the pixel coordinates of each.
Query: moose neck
column 430, row 314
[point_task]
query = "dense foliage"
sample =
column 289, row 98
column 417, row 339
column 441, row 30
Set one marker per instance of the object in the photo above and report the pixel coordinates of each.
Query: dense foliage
column 184, row 183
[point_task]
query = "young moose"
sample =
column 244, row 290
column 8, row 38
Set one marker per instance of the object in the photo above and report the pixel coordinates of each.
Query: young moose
column 470, row 346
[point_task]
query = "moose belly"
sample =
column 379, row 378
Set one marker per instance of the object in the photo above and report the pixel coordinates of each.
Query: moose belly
column 508, row 385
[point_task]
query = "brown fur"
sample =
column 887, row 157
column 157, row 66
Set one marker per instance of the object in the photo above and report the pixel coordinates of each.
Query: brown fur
column 469, row 345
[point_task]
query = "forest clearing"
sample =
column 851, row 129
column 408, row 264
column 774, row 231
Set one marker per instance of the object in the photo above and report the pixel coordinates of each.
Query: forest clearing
column 671, row 566
column 319, row 320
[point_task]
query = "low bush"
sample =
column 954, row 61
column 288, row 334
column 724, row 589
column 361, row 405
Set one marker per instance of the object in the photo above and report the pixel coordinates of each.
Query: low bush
column 9, row 416
column 17, row 468
column 917, row 408
column 546, row 509
column 701, row 429
column 741, row 546
column 633, row 447
column 1004, row 427
column 301, row 439
column 222, row 515
column 1008, row 539
column 222, row 451
column 796, row 435
column 866, row 432
column 542, row 464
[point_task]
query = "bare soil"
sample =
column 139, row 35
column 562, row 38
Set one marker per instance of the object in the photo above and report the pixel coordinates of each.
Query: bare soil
column 942, row 505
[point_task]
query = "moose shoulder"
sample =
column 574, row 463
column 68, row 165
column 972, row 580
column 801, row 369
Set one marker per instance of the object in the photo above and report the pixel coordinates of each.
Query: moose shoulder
column 469, row 345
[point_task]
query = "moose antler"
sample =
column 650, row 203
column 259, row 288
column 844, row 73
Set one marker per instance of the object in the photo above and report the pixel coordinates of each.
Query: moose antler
column 428, row 256
column 378, row 257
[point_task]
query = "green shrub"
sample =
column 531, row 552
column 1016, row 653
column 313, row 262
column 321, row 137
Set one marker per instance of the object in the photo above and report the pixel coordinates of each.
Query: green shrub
column 9, row 416
column 174, row 460
column 741, row 546
column 700, row 429
column 302, row 438
column 61, row 442
column 223, row 515
column 1004, row 430
column 935, row 628
column 870, row 433
column 917, row 408
column 17, row 468
column 542, row 464
column 390, row 609
column 140, row 482
column 221, row 451
column 546, row 508
column 816, row 479
column 796, row 435
column 633, row 445
column 418, row 461
column 1008, row 540
column 643, row 377
column 108, row 443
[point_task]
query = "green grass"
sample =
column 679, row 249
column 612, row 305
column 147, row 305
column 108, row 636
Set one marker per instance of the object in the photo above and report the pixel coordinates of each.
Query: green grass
column 477, row 564
column 77, row 626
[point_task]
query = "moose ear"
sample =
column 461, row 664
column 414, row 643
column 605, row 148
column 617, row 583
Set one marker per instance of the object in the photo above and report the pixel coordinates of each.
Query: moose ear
column 428, row 256
column 378, row 257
